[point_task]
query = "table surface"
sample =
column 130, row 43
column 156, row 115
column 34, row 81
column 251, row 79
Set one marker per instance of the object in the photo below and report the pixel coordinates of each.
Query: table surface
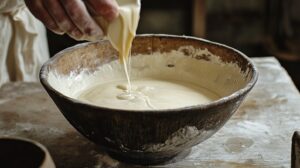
column 258, row 135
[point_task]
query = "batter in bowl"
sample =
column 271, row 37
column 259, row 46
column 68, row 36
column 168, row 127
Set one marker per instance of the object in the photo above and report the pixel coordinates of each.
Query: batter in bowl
column 147, row 94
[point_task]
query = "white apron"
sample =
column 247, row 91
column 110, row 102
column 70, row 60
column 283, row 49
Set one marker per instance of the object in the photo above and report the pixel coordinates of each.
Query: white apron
column 23, row 43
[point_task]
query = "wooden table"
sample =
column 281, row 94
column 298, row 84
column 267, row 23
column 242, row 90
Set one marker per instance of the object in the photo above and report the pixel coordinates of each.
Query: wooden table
column 258, row 135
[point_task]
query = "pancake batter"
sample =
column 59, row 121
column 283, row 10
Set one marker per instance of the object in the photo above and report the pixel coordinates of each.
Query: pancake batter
column 122, row 31
column 147, row 94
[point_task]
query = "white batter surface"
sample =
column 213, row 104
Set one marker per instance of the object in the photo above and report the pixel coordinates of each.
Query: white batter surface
column 147, row 94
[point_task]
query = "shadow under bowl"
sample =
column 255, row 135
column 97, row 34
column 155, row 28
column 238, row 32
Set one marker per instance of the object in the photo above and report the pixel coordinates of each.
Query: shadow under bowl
column 152, row 136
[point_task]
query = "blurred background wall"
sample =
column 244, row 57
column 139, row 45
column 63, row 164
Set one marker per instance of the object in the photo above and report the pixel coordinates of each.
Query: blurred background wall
column 256, row 27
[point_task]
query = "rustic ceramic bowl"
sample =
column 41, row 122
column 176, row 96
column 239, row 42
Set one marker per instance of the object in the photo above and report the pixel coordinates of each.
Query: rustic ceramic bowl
column 151, row 136
column 20, row 152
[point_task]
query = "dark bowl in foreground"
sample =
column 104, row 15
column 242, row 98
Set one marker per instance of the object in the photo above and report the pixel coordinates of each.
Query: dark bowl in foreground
column 146, row 137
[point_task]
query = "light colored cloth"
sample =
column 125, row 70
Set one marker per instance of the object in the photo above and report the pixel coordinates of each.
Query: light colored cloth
column 23, row 43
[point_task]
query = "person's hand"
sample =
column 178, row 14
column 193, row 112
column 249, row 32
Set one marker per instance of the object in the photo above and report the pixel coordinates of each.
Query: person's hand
column 73, row 17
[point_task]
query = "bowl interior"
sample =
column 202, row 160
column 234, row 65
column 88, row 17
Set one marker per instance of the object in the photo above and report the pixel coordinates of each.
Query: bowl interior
column 217, row 68
column 20, row 153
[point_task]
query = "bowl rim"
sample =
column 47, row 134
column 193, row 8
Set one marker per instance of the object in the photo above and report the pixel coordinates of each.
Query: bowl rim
column 243, row 91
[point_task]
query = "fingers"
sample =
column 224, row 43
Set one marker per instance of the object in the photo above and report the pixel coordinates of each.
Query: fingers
column 60, row 16
column 72, row 16
column 37, row 9
column 79, row 15
column 106, row 8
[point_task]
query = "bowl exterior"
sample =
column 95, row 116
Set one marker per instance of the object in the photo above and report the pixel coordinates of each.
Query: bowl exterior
column 127, row 135
column 149, row 137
